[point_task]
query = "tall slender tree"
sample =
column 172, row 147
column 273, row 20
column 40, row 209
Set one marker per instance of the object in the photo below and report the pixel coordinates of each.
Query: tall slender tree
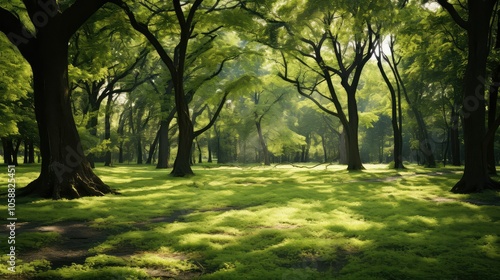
column 396, row 107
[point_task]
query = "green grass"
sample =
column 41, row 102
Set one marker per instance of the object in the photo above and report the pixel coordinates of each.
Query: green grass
column 283, row 222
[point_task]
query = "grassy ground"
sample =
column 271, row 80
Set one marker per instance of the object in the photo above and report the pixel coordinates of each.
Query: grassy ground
column 281, row 222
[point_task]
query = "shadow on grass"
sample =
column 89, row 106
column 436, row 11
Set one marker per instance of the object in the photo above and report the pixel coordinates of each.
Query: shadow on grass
column 286, row 223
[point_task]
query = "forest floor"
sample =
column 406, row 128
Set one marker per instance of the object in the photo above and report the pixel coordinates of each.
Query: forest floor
column 253, row 222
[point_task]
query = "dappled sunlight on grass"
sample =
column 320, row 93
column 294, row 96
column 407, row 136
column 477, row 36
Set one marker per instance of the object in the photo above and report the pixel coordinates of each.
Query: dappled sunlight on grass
column 281, row 222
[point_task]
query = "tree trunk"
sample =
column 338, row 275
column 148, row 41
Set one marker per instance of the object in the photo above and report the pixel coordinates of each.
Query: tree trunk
column 454, row 138
column 475, row 177
column 65, row 171
column 121, row 133
column 92, row 127
column 396, row 117
column 8, row 150
column 15, row 153
column 325, row 151
column 342, row 147
column 492, row 114
column 152, row 148
column 107, row 129
column 353, row 155
column 120, row 153
column 492, row 109
column 200, row 155
column 139, row 150
column 263, row 145
column 209, row 146
column 26, row 151
column 163, row 145
column 182, row 166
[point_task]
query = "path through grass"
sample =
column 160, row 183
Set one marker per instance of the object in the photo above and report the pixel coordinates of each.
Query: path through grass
column 261, row 223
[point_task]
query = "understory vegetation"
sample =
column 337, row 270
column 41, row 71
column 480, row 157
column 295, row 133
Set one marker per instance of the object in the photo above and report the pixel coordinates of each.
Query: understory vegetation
column 254, row 222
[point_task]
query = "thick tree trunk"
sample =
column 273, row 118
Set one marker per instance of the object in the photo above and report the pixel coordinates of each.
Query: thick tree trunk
column 492, row 109
column 65, row 171
column 475, row 177
column 182, row 166
column 353, row 156
column 163, row 146
column 492, row 114
column 8, row 150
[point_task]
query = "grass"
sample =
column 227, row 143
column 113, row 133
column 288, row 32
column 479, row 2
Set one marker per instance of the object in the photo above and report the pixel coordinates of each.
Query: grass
column 283, row 222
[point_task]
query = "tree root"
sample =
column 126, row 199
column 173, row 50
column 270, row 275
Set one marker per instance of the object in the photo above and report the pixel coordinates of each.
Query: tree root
column 465, row 185
column 75, row 186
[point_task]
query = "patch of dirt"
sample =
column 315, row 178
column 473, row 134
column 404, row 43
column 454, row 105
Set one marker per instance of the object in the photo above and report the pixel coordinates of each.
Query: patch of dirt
column 77, row 238
column 73, row 247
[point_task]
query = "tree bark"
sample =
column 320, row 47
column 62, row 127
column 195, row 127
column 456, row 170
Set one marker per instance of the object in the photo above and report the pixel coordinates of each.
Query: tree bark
column 164, row 145
column 353, row 155
column 65, row 171
column 492, row 115
column 475, row 177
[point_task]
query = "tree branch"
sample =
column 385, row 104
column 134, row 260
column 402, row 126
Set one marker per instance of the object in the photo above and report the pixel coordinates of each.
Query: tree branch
column 142, row 28
column 214, row 118
column 78, row 13
column 17, row 33
column 454, row 14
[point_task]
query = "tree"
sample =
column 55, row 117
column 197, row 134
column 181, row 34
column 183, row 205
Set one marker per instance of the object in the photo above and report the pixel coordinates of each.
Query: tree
column 176, row 63
column 347, row 67
column 478, row 26
column 492, row 107
column 396, row 107
column 65, row 171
